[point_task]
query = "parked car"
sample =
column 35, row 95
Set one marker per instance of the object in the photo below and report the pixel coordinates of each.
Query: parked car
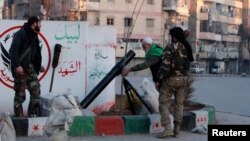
column 195, row 68
column 216, row 70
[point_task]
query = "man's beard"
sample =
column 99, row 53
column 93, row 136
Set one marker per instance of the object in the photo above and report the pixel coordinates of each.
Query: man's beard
column 37, row 29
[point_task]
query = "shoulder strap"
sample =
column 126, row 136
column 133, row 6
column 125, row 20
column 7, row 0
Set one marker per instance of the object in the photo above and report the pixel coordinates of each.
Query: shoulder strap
column 27, row 50
column 25, row 53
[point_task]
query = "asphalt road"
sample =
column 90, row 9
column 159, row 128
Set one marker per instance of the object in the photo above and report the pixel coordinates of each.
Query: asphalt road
column 226, row 94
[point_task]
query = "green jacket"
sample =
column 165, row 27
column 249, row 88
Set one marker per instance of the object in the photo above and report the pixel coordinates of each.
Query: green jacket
column 155, row 50
column 153, row 60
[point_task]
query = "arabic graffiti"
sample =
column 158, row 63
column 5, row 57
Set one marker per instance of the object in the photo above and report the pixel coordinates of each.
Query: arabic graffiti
column 99, row 54
column 5, row 76
column 100, row 45
column 97, row 72
column 6, row 38
column 69, row 32
column 74, row 66
column 101, row 59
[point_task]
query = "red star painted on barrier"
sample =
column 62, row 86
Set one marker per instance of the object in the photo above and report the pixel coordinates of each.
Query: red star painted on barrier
column 156, row 125
column 201, row 119
column 35, row 127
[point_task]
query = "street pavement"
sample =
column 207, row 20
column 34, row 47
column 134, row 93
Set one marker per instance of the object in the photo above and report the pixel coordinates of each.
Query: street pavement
column 226, row 94
column 229, row 95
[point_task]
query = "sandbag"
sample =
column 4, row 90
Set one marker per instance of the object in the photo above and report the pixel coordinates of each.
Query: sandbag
column 7, row 130
column 63, row 108
column 151, row 95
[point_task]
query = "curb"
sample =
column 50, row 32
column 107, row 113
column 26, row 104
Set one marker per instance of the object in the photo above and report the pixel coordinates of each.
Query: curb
column 116, row 125
column 220, row 75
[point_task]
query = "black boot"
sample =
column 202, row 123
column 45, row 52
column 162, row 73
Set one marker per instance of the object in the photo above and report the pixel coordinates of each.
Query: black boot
column 177, row 130
column 168, row 132
column 34, row 110
column 18, row 110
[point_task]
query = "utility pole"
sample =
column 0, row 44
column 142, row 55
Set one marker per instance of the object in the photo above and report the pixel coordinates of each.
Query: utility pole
column 79, row 16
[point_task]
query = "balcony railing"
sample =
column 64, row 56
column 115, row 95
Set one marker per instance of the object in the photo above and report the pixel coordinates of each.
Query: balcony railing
column 221, row 18
column 174, row 6
column 210, row 36
column 169, row 5
column 219, row 55
column 231, row 38
column 92, row 5
column 21, row 1
column 235, row 3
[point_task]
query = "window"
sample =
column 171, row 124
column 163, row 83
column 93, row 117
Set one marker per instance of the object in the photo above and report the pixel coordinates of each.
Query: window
column 150, row 23
column 94, row 0
column 151, row 2
column 128, row 1
column 111, row 1
column 128, row 22
column 110, row 21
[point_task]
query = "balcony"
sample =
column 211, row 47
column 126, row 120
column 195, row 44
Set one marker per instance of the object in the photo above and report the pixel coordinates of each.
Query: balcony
column 234, row 3
column 21, row 2
column 203, row 55
column 92, row 6
column 219, row 55
column 211, row 55
column 231, row 38
column 172, row 5
column 221, row 18
column 232, row 55
column 83, row 5
column 209, row 36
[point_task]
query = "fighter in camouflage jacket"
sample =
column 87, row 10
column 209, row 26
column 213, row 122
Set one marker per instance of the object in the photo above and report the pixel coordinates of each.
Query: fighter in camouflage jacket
column 172, row 79
column 174, row 61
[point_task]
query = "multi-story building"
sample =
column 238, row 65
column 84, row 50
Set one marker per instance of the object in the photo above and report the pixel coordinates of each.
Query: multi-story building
column 6, row 10
column 244, row 58
column 63, row 9
column 214, row 26
column 21, row 9
column 143, row 18
column 133, row 20
column 176, row 14
column 1, row 9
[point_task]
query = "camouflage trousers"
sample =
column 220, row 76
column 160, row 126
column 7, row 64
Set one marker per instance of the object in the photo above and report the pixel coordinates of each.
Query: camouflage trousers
column 172, row 86
column 29, row 81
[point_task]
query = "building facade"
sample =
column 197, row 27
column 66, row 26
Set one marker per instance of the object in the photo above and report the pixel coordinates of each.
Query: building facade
column 215, row 26
column 1, row 10
column 244, row 57
column 176, row 13
column 142, row 17
column 133, row 20
column 21, row 9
